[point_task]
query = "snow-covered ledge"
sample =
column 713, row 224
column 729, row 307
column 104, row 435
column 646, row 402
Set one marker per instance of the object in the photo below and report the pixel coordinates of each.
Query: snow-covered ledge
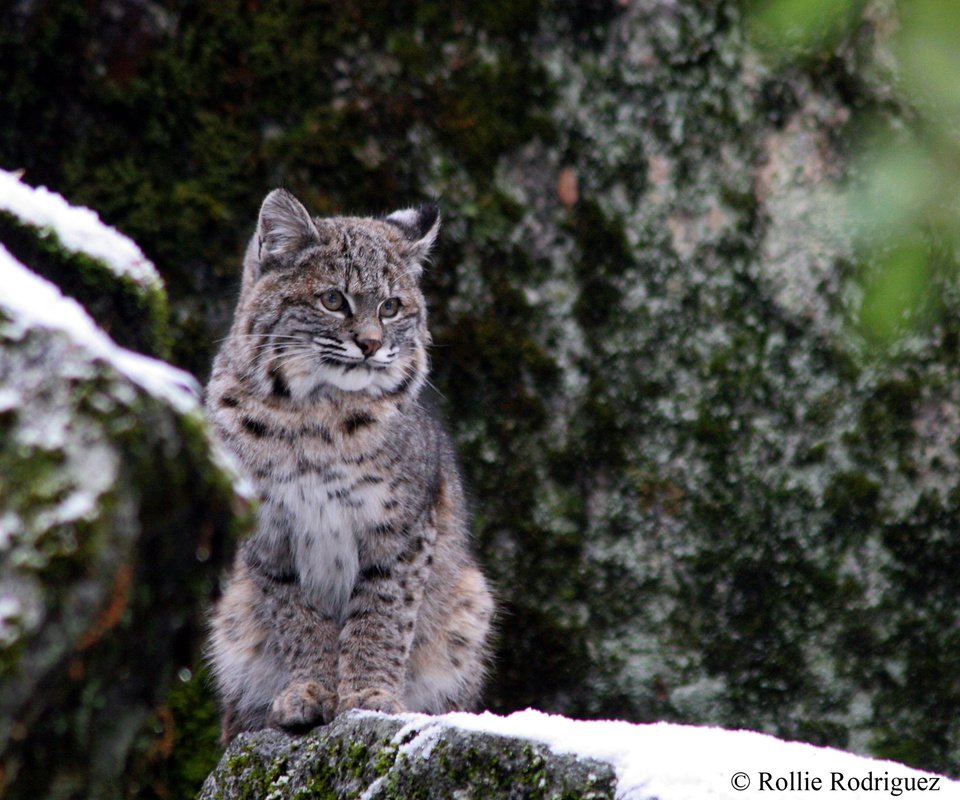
column 76, row 229
column 532, row 754
column 33, row 301
column 89, row 261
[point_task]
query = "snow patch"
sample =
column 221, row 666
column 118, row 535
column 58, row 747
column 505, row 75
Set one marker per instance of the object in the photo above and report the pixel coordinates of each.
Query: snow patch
column 77, row 229
column 36, row 302
column 418, row 737
column 684, row 762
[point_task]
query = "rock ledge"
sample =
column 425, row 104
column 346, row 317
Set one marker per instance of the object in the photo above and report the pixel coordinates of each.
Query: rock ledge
column 380, row 758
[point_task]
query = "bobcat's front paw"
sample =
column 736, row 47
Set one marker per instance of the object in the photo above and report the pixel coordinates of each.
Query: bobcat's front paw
column 371, row 700
column 302, row 706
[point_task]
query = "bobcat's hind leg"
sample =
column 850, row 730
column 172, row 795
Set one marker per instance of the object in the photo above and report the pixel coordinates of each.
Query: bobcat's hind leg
column 448, row 665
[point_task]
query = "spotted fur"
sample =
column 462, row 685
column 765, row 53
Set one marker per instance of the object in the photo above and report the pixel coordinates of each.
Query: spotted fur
column 358, row 589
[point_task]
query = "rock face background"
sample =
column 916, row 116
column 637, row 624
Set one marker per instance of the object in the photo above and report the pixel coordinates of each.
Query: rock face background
column 702, row 499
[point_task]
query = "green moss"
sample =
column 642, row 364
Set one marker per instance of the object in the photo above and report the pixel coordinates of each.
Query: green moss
column 250, row 774
column 386, row 758
column 478, row 768
column 350, row 757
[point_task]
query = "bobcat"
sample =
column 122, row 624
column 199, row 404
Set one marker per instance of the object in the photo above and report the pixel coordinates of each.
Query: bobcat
column 358, row 589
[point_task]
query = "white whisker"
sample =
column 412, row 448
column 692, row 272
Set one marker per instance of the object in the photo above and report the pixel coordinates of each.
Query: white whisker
column 297, row 360
column 260, row 336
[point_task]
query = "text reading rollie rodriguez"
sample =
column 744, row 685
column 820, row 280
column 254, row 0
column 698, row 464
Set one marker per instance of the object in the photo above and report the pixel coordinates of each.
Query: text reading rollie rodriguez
column 870, row 782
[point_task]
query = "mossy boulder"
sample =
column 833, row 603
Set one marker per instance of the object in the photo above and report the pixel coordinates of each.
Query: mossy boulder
column 390, row 758
column 530, row 755
column 114, row 506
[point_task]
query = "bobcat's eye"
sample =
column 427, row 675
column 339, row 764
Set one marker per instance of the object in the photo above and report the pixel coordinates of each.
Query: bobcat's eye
column 389, row 308
column 333, row 300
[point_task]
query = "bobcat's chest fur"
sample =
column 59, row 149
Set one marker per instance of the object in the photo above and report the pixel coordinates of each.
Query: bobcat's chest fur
column 323, row 517
column 331, row 491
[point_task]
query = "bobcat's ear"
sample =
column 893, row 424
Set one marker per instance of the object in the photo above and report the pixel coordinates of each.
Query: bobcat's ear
column 420, row 227
column 284, row 226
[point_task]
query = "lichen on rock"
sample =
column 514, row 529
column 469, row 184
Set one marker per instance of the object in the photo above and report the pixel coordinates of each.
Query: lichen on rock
column 391, row 758
column 533, row 755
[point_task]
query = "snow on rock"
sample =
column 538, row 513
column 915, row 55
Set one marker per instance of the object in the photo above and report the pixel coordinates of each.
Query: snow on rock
column 77, row 229
column 91, row 262
column 531, row 754
column 685, row 762
column 36, row 301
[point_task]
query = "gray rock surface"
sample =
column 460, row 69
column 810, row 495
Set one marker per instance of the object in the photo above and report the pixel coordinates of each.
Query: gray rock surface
column 383, row 758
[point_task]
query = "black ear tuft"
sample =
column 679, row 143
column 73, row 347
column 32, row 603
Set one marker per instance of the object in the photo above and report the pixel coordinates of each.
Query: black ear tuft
column 420, row 227
column 428, row 215
column 417, row 222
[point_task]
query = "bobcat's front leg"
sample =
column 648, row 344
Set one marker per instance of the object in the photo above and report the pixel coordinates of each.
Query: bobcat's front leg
column 303, row 637
column 377, row 635
column 309, row 648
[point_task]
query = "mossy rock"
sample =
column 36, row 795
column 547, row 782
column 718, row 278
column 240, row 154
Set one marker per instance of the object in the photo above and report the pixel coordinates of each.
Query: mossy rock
column 390, row 758
column 96, row 265
column 114, row 509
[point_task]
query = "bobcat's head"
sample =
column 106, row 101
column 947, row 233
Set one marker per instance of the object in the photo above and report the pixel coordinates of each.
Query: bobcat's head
column 336, row 302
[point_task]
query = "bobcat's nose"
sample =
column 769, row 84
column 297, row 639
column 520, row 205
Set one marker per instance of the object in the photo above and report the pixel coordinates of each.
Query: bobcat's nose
column 369, row 346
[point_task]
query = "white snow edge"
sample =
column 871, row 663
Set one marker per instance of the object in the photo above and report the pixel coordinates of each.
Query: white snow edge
column 36, row 302
column 684, row 762
column 78, row 229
